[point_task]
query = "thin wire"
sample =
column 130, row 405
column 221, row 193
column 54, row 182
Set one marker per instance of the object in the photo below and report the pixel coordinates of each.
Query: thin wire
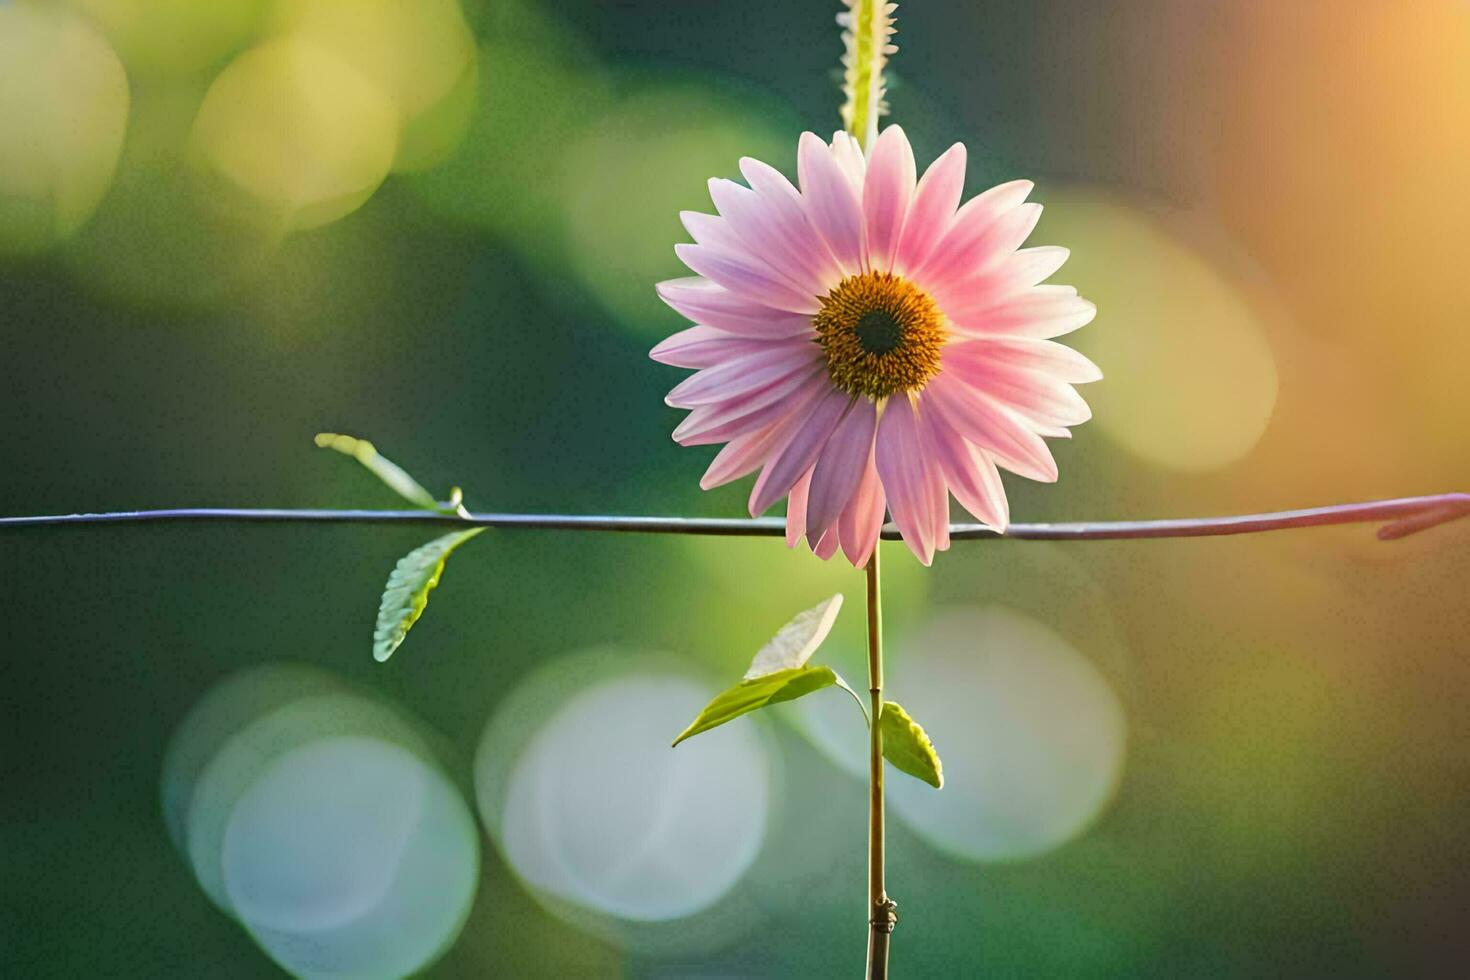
column 1403, row 516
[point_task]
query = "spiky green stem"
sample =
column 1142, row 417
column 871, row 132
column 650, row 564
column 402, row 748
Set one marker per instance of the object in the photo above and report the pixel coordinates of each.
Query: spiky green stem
column 867, row 29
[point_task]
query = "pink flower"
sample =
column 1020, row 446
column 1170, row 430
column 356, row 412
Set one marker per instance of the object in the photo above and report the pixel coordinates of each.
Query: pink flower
column 868, row 344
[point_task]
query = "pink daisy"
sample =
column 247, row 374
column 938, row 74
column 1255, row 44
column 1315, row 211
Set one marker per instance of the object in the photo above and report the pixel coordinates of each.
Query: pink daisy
column 870, row 345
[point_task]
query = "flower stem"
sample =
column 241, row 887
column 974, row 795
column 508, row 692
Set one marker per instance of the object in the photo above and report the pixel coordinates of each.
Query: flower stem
column 867, row 30
column 882, row 916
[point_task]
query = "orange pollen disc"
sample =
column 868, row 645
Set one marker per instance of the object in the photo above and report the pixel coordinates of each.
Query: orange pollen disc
column 881, row 333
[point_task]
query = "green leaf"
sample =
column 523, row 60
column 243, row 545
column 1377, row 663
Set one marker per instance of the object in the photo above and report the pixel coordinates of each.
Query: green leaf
column 383, row 468
column 794, row 643
column 408, row 588
column 757, row 692
column 907, row 745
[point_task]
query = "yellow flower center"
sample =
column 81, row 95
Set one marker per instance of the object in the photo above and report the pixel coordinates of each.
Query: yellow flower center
column 881, row 333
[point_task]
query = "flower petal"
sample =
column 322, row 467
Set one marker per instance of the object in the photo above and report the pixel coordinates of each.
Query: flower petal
column 796, row 509
column 992, row 427
column 711, row 304
column 862, row 520
column 774, row 231
column 702, row 347
column 798, row 242
column 1031, row 266
column 936, row 493
column 899, row 454
column 1043, row 398
column 747, row 277
column 769, row 363
column 831, row 202
column 1044, row 357
column 713, row 230
column 1046, row 404
column 724, row 420
column 933, row 209
column 741, row 455
column 887, row 190
column 1043, row 312
column 1001, row 281
column 718, row 233
column 970, row 474
column 807, row 434
column 850, row 160
column 840, row 467
column 986, row 229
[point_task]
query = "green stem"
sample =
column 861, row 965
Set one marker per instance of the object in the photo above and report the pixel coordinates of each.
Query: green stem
column 868, row 28
column 881, row 914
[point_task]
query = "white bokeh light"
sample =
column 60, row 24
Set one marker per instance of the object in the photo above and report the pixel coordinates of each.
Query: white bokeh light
column 219, row 716
column 257, row 745
column 1032, row 735
column 598, row 811
column 351, row 856
column 318, row 818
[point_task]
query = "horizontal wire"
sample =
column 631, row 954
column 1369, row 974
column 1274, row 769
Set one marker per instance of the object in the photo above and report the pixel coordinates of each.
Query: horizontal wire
column 1403, row 516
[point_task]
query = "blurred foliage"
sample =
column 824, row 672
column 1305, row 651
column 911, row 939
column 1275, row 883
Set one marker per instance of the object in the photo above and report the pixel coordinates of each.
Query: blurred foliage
column 419, row 53
column 63, row 110
column 213, row 248
column 174, row 37
column 293, row 135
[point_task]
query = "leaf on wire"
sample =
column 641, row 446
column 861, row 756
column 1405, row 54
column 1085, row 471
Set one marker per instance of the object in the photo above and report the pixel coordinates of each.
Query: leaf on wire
column 407, row 592
column 383, row 468
column 907, row 745
column 751, row 695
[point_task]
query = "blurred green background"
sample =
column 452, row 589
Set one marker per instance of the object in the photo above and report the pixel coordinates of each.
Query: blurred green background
column 225, row 227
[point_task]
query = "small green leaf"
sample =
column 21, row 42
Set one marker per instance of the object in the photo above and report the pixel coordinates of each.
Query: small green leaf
column 383, row 468
column 907, row 746
column 408, row 588
column 751, row 695
column 794, row 643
